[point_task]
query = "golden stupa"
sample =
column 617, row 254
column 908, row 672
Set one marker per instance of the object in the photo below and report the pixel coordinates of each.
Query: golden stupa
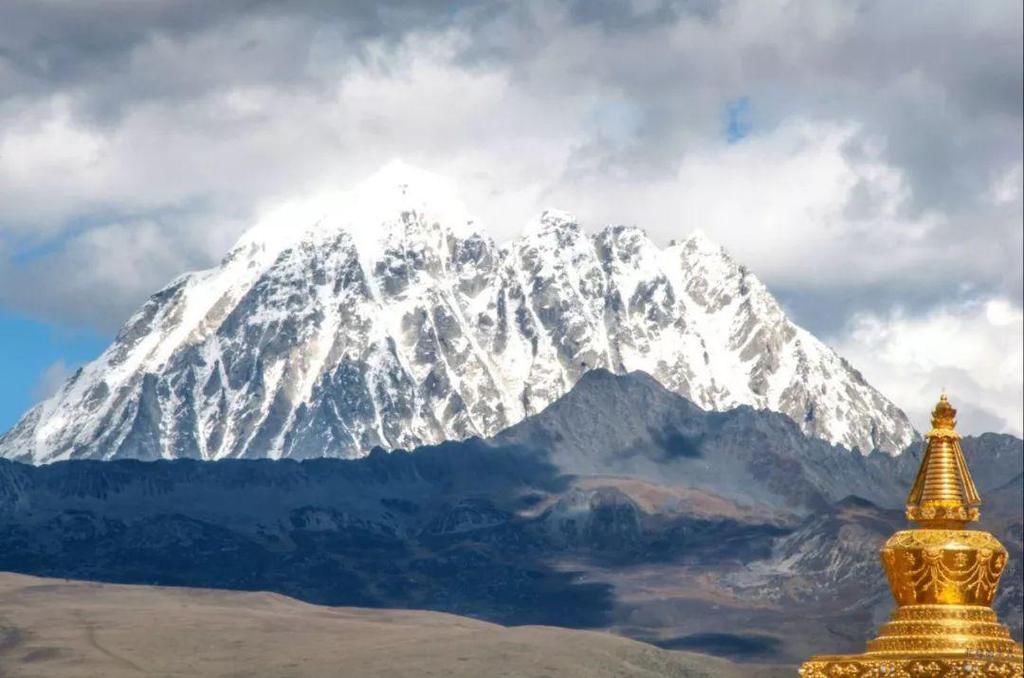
column 943, row 577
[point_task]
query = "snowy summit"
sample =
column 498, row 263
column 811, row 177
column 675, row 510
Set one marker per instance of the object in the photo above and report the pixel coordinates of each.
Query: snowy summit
column 380, row 317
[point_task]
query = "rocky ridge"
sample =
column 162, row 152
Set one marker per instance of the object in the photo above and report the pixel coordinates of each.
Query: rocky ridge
column 384, row 317
column 728, row 533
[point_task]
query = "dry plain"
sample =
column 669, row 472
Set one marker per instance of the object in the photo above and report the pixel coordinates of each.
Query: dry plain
column 52, row 628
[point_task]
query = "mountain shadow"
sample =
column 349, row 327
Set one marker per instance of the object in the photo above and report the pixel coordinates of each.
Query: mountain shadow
column 621, row 505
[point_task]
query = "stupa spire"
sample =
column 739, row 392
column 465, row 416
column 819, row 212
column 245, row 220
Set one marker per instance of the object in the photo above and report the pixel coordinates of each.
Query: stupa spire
column 944, row 579
column 943, row 494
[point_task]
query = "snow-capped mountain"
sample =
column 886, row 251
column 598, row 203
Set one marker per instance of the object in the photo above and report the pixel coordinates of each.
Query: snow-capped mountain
column 382, row 317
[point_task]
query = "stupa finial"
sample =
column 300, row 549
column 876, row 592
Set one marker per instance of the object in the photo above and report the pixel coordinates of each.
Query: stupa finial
column 943, row 494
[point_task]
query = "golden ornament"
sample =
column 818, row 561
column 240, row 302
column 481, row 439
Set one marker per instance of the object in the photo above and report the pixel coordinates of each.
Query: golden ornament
column 943, row 577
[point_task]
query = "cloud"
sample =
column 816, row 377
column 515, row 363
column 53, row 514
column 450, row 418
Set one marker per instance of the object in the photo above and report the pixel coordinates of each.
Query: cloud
column 52, row 378
column 972, row 351
column 857, row 156
column 791, row 203
column 89, row 279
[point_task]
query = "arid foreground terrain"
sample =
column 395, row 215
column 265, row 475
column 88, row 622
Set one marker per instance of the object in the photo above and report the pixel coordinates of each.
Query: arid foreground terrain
column 65, row 629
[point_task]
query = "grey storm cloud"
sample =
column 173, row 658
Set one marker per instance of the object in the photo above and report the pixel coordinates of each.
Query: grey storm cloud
column 203, row 109
column 87, row 48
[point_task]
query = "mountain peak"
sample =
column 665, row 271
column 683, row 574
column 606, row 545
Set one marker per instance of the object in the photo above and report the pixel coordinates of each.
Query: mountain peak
column 550, row 221
column 699, row 243
column 398, row 172
column 601, row 377
column 402, row 186
column 372, row 212
column 376, row 317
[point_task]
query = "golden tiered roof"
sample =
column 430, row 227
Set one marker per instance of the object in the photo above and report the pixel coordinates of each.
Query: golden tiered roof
column 943, row 577
column 943, row 494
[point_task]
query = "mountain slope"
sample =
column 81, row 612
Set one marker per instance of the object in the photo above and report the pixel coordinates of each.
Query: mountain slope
column 723, row 532
column 379, row 317
column 631, row 425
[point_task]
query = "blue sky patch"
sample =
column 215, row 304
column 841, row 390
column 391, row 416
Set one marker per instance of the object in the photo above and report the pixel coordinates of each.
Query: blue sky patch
column 29, row 351
column 739, row 119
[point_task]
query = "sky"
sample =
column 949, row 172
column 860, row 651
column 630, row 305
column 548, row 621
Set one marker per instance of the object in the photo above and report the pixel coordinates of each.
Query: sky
column 862, row 158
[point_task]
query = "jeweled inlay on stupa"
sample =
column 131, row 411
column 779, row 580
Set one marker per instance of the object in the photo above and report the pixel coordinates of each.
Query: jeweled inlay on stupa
column 943, row 577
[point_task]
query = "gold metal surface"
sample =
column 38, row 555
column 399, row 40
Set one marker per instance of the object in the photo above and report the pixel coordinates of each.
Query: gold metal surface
column 943, row 577
column 943, row 494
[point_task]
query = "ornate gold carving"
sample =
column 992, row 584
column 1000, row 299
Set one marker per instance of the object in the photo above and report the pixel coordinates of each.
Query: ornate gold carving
column 865, row 667
column 944, row 612
column 943, row 578
column 943, row 566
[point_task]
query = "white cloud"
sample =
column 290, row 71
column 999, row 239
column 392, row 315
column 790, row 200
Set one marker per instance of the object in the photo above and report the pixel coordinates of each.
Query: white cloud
column 1006, row 189
column 781, row 203
column 52, row 378
column 100, row 272
column 973, row 351
column 245, row 146
column 882, row 165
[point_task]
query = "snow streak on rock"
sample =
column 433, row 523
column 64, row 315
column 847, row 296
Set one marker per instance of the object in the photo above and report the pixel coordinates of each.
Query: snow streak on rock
column 382, row 317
